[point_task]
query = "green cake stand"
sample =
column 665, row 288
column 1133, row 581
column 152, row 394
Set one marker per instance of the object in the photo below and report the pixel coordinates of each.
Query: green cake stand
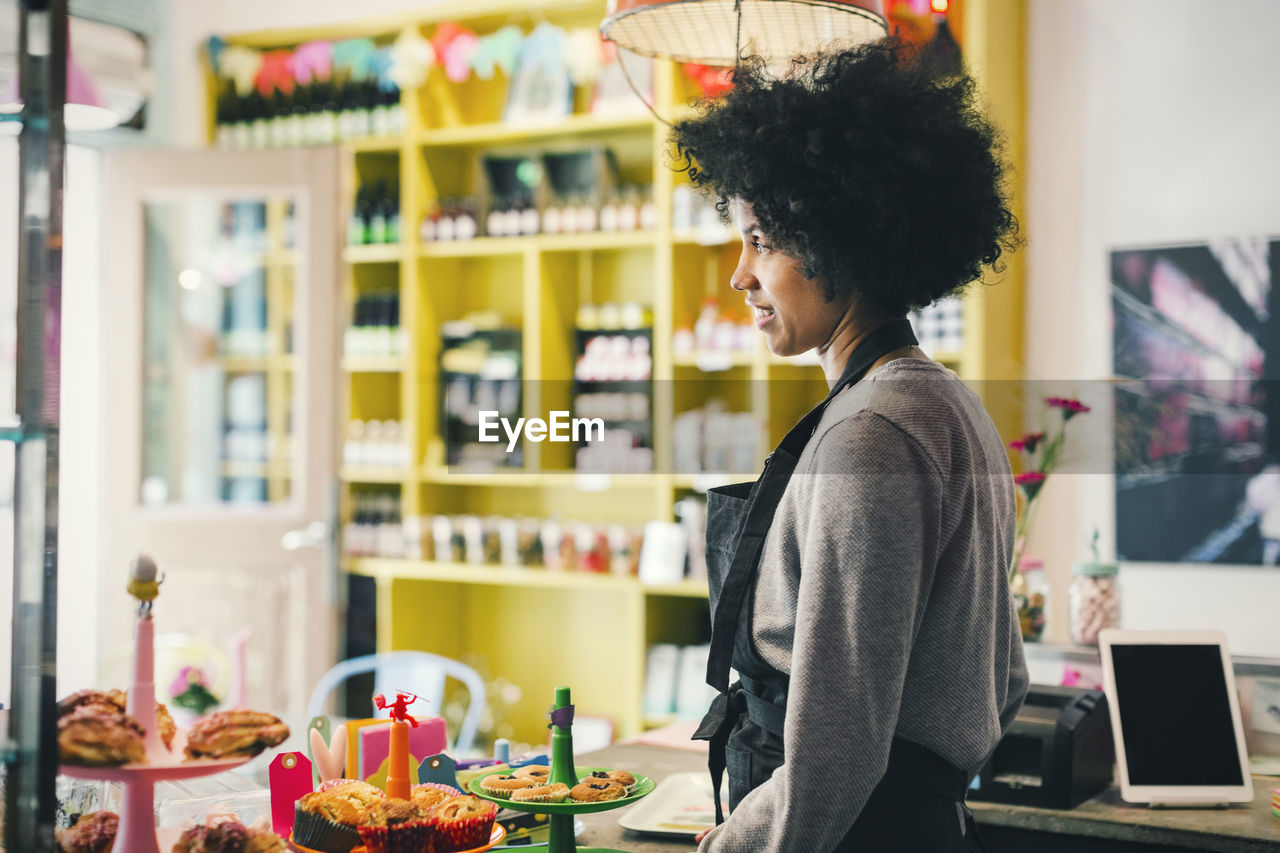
column 563, row 770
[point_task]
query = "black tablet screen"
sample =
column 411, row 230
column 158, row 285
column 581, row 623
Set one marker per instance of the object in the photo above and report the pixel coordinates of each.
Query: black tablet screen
column 1175, row 715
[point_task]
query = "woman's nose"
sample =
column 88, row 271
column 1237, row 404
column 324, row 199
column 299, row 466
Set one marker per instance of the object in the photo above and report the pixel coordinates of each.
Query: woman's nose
column 743, row 278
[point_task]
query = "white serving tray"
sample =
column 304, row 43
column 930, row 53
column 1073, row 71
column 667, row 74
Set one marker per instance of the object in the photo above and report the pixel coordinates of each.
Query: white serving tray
column 680, row 807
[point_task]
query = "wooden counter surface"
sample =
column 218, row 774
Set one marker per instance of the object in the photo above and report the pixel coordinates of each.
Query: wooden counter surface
column 1240, row 829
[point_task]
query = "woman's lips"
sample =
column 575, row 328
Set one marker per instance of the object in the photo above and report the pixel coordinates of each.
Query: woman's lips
column 762, row 316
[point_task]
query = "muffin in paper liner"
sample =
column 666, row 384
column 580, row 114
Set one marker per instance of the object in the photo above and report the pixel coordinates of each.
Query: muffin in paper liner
column 436, row 786
column 463, row 822
column 503, row 785
column 321, row 834
column 416, row 836
column 554, row 793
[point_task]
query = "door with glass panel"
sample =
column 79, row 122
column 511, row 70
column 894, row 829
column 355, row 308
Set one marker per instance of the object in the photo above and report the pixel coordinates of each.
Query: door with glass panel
column 220, row 366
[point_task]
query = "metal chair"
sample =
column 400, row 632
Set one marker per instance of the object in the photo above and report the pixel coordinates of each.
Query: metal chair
column 421, row 672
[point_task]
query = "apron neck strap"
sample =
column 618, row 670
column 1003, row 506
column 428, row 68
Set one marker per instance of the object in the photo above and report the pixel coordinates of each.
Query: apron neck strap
column 893, row 335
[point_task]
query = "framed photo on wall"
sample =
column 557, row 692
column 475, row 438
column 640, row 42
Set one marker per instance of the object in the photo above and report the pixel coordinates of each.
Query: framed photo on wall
column 1197, row 414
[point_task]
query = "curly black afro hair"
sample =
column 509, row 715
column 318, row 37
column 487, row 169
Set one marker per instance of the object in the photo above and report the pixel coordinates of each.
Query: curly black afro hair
column 880, row 175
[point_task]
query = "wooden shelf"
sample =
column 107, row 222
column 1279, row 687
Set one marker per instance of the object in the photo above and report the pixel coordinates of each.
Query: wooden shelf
column 509, row 576
column 514, row 576
column 718, row 236
column 702, row 482
column 499, row 133
column 515, row 478
column 373, row 363
column 263, row 470
column 589, row 241
column 363, row 474
column 381, row 253
column 373, row 145
column 257, row 363
column 714, row 361
column 244, row 363
column 684, row 589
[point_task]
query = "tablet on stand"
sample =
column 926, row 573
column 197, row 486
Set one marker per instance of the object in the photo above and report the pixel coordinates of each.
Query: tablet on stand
column 1175, row 718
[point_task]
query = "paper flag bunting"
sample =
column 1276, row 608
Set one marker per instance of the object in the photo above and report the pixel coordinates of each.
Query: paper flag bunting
column 276, row 72
column 352, row 57
column 583, row 55
column 411, row 59
column 241, row 64
column 544, row 46
column 215, row 46
column 499, row 50
column 313, row 61
column 454, row 45
column 380, row 69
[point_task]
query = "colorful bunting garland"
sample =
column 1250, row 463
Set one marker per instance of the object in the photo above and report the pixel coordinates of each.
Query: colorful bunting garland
column 411, row 59
column 313, row 62
column 352, row 57
column 406, row 63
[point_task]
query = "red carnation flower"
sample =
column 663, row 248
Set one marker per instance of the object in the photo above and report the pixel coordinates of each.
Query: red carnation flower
column 1070, row 406
column 1030, row 482
column 1029, row 442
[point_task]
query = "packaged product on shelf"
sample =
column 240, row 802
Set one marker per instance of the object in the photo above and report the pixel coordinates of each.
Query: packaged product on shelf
column 692, row 513
column 629, row 210
column 464, row 221
column 648, row 210
column 528, row 543
column 442, row 541
column 609, row 214
column 508, row 541
column 528, row 220
column 551, row 536
column 661, row 664
column 553, row 218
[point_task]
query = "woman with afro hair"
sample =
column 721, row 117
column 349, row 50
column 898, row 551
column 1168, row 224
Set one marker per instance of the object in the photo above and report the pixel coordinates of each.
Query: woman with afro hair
column 858, row 588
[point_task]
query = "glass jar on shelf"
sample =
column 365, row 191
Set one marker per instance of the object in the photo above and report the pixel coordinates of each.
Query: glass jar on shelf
column 1030, row 591
column 1093, row 601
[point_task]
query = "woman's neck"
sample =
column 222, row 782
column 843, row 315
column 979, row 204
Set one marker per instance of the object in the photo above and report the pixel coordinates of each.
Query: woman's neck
column 852, row 329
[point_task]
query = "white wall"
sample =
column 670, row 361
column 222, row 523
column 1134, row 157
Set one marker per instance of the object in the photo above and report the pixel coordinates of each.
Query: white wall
column 1149, row 122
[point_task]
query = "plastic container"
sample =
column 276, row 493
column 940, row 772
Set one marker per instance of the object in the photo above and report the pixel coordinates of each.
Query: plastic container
column 1030, row 591
column 1093, row 601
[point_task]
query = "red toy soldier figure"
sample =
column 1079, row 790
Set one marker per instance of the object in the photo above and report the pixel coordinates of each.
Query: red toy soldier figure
column 399, row 708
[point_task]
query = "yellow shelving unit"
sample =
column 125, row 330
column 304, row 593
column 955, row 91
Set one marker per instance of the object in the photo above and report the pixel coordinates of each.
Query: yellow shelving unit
column 542, row 628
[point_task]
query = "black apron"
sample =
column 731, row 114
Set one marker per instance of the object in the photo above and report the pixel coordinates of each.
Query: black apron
column 918, row 803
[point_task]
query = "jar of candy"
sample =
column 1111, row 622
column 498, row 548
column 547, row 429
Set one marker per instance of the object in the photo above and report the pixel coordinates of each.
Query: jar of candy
column 1030, row 591
column 1093, row 600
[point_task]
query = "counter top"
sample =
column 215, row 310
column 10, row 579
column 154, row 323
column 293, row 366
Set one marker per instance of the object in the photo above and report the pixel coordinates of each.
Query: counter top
column 1240, row 829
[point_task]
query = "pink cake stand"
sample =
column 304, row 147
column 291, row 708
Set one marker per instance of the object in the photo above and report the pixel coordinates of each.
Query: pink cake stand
column 137, row 829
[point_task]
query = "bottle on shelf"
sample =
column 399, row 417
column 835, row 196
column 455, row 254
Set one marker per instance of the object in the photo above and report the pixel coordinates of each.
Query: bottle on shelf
column 377, row 231
column 466, row 225
column 357, row 223
column 296, row 123
column 392, row 212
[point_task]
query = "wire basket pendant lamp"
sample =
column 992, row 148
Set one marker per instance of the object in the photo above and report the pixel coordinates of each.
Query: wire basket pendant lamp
column 718, row 32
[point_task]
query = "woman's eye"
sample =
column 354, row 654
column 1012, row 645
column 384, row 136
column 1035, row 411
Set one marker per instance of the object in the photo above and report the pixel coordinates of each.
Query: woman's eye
column 760, row 248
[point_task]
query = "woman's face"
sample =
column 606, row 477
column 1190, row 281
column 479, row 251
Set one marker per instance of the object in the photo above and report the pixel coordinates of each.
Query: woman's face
column 789, row 308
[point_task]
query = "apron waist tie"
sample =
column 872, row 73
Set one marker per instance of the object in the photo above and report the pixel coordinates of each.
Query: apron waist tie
column 715, row 728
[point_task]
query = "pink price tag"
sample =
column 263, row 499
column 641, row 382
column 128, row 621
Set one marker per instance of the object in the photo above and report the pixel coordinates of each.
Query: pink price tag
column 290, row 779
